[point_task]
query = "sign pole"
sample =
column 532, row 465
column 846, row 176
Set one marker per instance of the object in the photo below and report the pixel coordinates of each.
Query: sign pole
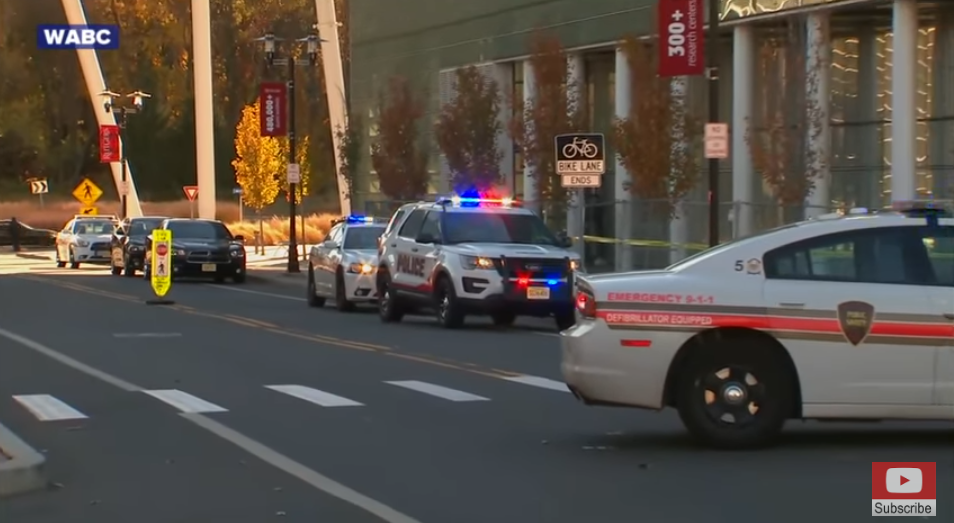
column 581, row 221
column 241, row 208
column 41, row 201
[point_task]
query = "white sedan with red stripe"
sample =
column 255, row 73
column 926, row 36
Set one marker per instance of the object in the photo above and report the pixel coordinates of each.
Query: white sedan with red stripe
column 842, row 317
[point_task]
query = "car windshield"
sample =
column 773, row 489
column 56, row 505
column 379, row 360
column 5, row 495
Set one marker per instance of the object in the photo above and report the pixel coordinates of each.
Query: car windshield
column 93, row 227
column 363, row 237
column 143, row 227
column 198, row 230
column 491, row 227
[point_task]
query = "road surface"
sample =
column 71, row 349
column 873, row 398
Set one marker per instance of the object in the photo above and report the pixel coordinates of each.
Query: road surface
column 241, row 404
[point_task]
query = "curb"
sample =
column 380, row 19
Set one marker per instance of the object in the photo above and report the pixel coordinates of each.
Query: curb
column 273, row 276
column 26, row 469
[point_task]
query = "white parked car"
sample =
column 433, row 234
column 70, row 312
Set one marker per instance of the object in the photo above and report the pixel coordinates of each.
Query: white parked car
column 85, row 239
column 842, row 317
column 342, row 267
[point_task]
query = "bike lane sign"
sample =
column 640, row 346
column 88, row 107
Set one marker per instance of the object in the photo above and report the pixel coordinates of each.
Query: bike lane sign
column 581, row 159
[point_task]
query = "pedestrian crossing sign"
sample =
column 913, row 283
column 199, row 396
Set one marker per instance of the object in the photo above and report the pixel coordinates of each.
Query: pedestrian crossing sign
column 87, row 192
column 161, row 261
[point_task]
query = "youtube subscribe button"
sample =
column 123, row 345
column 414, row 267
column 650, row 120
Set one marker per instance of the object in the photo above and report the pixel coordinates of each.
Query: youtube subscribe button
column 903, row 488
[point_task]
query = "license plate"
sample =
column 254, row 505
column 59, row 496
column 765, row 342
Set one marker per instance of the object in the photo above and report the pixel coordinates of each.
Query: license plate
column 538, row 293
column 208, row 267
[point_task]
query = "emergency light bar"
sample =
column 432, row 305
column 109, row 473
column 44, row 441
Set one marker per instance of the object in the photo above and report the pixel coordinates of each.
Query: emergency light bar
column 464, row 201
column 354, row 219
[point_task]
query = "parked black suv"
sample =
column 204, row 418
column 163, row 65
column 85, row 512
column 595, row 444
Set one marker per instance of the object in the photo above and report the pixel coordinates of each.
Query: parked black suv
column 202, row 249
column 128, row 244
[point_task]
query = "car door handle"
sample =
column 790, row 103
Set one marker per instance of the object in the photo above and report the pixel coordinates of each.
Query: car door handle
column 414, row 249
column 791, row 305
column 393, row 245
column 949, row 316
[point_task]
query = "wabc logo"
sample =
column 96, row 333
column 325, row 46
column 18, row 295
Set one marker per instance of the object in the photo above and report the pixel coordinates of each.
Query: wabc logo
column 77, row 36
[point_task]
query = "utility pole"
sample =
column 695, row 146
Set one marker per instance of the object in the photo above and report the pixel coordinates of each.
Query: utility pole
column 712, row 71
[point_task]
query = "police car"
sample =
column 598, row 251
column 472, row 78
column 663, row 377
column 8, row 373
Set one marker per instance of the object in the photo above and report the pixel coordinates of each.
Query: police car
column 85, row 239
column 343, row 266
column 465, row 255
column 842, row 317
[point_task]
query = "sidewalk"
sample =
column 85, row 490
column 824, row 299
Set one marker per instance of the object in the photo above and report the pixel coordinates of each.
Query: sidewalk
column 22, row 469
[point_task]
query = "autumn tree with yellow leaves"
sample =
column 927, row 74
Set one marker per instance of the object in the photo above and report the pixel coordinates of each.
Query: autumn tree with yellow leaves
column 257, row 163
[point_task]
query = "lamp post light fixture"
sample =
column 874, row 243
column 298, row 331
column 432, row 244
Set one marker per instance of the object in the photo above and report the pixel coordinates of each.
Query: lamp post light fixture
column 272, row 58
column 122, row 111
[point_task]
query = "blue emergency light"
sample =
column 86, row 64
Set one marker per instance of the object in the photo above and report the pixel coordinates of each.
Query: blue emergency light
column 359, row 219
column 474, row 199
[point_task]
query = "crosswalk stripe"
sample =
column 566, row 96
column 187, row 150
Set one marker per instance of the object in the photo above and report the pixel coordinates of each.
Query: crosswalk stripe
column 318, row 397
column 437, row 390
column 184, row 401
column 47, row 408
column 537, row 381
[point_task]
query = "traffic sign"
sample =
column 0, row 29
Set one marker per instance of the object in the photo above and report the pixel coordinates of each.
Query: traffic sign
column 294, row 173
column 89, row 211
column 87, row 192
column 581, row 180
column 580, row 158
column 717, row 141
column 39, row 186
column 191, row 191
column 160, row 265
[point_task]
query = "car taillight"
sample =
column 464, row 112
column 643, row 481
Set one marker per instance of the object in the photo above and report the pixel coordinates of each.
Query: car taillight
column 586, row 304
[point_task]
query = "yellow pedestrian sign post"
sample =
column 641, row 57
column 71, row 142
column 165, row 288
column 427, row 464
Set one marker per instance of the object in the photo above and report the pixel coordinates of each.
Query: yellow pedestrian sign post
column 160, row 266
column 87, row 192
column 89, row 211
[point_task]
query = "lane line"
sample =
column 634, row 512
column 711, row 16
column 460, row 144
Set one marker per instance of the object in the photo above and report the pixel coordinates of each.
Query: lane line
column 537, row 381
column 47, row 408
column 185, row 402
column 260, row 293
column 147, row 335
column 318, row 397
column 437, row 390
column 260, row 451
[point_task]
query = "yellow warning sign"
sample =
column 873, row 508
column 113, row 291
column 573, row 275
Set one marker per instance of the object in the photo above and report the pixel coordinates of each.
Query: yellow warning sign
column 161, row 263
column 89, row 211
column 87, row 192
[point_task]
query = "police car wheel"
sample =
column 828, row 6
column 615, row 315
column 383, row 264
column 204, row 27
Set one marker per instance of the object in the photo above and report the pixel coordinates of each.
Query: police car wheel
column 73, row 263
column 389, row 306
column 341, row 298
column 503, row 318
column 449, row 312
column 734, row 397
column 313, row 299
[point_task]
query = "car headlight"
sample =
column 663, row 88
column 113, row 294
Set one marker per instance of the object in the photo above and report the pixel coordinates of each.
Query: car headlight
column 82, row 243
column 237, row 252
column 361, row 268
column 471, row 263
column 179, row 252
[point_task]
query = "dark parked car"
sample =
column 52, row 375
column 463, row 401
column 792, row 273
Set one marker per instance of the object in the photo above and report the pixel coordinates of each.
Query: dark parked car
column 202, row 248
column 27, row 235
column 128, row 244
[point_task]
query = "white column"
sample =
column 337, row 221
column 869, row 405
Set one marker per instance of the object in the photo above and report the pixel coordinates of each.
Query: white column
column 743, row 173
column 818, row 96
column 204, row 106
column 530, row 194
column 903, row 101
column 623, row 218
column 95, row 84
column 678, row 224
column 942, row 132
column 576, row 79
column 334, row 87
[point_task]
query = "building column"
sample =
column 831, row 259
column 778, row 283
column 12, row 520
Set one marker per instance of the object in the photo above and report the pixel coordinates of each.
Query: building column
column 942, row 132
column 576, row 92
column 531, row 195
column 678, row 223
column 743, row 172
column 904, row 114
column 818, row 96
column 623, row 225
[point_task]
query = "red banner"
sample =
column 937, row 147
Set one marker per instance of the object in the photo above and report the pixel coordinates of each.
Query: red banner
column 681, row 38
column 109, row 143
column 271, row 103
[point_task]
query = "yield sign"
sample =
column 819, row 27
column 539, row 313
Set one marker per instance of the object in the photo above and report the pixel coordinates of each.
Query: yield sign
column 191, row 191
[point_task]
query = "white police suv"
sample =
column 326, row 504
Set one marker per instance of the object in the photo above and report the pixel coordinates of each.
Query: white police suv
column 342, row 267
column 461, row 256
column 85, row 239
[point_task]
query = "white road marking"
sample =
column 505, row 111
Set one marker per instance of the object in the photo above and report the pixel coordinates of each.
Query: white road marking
column 437, row 390
column 260, row 293
column 325, row 399
column 536, row 381
column 48, row 408
column 147, row 335
column 184, row 401
column 260, row 451
column 549, row 334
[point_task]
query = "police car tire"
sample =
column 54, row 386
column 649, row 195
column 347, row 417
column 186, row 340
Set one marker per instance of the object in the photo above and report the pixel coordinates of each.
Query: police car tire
column 73, row 263
column 453, row 317
column 313, row 299
column 772, row 413
column 390, row 309
column 341, row 299
column 116, row 271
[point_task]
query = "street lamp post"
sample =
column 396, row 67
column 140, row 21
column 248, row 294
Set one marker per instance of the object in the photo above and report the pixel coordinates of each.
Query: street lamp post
column 122, row 112
column 712, row 57
column 291, row 62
